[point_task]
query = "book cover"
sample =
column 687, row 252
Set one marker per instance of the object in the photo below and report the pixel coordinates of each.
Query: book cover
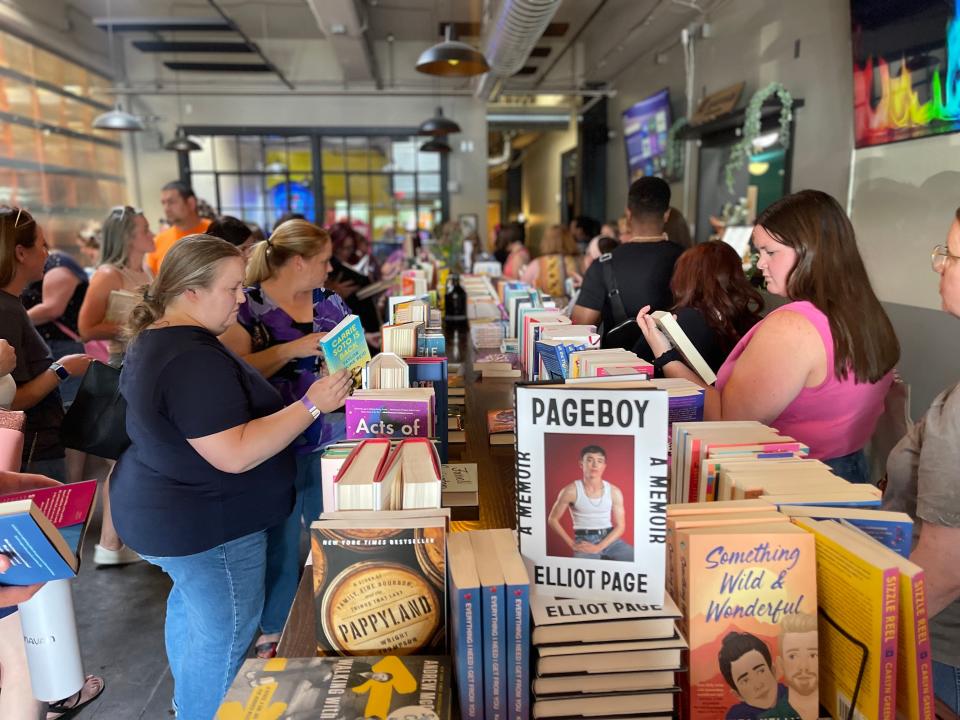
column 380, row 588
column 351, row 687
column 345, row 347
column 517, row 613
column 460, row 485
column 63, row 505
column 893, row 530
column 591, row 473
column 465, row 625
column 751, row 611
column 36, row 549
column 493, row 623
column 431, row 344
column 371, row 417
column 678, row 338
column 501, row 421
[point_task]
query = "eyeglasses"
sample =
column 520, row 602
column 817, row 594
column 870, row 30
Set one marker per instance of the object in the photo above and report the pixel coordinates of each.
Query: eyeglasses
column 939, row 257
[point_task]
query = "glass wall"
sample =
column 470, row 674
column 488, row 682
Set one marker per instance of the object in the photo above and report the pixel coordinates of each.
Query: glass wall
column 382, row 184
column 52, row 161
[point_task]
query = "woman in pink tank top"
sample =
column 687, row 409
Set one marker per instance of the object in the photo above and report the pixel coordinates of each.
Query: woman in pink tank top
column 817, row 368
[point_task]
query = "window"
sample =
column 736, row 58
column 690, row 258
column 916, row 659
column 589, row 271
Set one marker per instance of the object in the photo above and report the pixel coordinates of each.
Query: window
column 380, row 183
column 52, row 161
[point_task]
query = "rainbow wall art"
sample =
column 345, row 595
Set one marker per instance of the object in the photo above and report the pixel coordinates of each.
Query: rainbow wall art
column 906, row 69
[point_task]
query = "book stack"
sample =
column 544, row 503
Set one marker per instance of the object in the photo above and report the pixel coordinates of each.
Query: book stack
column 407, row 412
column 401, row 338
column 555, row 345
column 396, row 301
column 386, row 371
column 378, row 476
column 497, row 365
column 460, row 490
column 416, row 310
column 486, row 334
column 490, row 624
column 501, row 426
column 605, row 363
column 414, row 282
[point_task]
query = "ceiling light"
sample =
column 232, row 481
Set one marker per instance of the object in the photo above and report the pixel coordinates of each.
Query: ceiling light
column 118, row 119
column 438, row 125
column 181, row 143
column 435, row 145
column 452, row 58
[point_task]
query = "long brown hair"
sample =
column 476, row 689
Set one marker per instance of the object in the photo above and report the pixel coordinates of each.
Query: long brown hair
column 191, row 263
column 709, row 277
column 557, row 240
column 291, row 238
column 17, row 228
column 829, row 273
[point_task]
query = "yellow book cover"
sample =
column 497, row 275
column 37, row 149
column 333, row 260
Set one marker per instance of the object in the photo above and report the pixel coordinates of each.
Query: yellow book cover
column 751, row 600
column 858, row 626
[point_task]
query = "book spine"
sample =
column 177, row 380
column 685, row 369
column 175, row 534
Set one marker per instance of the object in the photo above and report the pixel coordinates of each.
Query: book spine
column 888, row 646
column 495, row 691
column 468, row 659
column 924, row 652
column 518, row 652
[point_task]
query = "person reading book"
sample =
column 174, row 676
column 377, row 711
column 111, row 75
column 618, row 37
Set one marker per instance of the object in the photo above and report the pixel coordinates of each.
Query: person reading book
column 596, row 509
column 125, row 240
column 922, row 481
column 713, row 302
column 209, row 469
column 818, row 368
column 278, row 331
column 747, row 666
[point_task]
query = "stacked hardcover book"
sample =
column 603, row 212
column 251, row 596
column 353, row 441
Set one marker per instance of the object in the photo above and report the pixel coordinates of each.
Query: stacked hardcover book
column 376, row 476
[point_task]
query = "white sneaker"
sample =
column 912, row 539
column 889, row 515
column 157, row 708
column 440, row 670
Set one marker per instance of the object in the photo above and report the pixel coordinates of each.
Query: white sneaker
column 123, row 556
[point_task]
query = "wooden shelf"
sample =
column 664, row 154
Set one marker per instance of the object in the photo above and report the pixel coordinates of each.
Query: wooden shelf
column 731, row 121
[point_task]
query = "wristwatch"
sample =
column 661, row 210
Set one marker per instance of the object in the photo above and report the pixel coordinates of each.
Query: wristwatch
column 311, row 408
column 60, row 370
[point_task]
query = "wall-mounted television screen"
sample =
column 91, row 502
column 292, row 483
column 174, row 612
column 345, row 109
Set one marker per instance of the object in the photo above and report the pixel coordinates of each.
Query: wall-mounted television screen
column 645, row 127
column 906, row 56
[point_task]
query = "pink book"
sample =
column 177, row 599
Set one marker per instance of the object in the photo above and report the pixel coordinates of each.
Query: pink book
column 63, row 505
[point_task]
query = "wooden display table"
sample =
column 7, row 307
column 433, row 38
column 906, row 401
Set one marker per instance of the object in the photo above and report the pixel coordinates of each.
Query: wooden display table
column 495, row 472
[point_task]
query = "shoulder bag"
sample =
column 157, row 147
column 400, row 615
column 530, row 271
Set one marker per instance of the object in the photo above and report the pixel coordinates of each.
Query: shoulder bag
column 96, row 422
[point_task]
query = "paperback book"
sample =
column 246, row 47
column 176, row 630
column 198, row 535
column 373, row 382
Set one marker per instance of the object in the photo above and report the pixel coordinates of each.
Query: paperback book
column 345, row 348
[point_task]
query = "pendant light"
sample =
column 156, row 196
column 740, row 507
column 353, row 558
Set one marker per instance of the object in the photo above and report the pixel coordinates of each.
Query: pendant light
column 116, row 119
column 182, row 143
column 438, row 125
column 436, row 145
column 452, row 58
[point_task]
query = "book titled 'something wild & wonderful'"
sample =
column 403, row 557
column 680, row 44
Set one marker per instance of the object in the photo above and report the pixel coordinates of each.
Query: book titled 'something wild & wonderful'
column 592, row 490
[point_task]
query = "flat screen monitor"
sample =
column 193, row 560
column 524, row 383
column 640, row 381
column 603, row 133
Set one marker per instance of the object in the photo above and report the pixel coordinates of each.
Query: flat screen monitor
column 645, row 128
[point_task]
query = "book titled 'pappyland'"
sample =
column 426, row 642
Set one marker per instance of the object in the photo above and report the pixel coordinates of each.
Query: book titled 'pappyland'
column 380, row 585
column 592, row 490
column 352, row 687
column 345, row 347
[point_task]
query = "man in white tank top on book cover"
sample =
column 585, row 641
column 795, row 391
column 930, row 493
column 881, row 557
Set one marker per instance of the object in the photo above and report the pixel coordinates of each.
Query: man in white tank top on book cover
column 596, row 508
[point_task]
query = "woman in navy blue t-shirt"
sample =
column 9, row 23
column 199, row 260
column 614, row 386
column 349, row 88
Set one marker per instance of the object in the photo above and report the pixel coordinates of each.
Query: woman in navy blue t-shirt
column 208, row 470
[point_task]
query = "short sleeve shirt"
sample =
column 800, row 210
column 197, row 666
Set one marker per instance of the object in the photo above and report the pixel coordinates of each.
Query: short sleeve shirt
column 179, row 383
column 923, row 480
column 33, row 295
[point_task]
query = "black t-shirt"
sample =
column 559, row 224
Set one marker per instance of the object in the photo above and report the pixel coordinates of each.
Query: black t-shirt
column 708, row 341
column 642, row 270
column 42, row 428
column 33, row 295
column 179, row 383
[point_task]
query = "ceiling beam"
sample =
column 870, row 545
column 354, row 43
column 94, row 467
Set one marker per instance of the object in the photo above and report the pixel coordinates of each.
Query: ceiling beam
column 345, row 29
column 256, row 48
column 162, row 24
column 191, row 46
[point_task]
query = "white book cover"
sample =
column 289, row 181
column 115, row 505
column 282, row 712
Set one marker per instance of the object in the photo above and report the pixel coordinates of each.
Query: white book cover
column 592, row 490
column 547, row 610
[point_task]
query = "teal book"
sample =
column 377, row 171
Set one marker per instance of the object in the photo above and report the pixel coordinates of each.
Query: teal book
column 345, row 348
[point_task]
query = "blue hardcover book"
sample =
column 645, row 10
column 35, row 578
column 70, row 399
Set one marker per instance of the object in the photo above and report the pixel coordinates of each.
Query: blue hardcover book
column 431, row 344
column 553, row 357
column 517, row 612
column 465, row 624
column 345, row 347
column 893, row 529
column 432, row 372
column 493, row 624
column 37, row 551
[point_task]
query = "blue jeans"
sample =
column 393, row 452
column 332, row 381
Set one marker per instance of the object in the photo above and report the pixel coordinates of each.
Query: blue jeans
column 283, row 545
column 212, row 614
column 617, row 550
column 852, row 467
column 946, row 684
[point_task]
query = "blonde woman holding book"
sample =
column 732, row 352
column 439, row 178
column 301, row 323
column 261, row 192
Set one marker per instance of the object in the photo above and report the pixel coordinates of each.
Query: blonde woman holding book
column 125, row 240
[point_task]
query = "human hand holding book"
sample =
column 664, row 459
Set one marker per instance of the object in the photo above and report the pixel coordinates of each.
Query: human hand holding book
column 655, row 338
column 329, row 393
column 303, row 347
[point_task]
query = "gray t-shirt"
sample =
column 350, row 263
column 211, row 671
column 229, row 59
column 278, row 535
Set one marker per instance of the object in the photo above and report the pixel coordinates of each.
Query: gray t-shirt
column 42, row 428
column 923, row 480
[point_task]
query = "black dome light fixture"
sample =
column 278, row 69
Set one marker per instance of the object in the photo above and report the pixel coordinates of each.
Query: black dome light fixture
column 438, row 125
column 452, row 58
column 182, row 143
column 437, row 145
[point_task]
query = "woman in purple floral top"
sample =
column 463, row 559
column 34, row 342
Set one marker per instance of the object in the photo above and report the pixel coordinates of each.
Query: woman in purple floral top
column 278, row 332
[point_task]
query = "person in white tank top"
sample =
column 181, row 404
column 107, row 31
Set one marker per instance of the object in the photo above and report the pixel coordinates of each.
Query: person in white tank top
column 596, row 509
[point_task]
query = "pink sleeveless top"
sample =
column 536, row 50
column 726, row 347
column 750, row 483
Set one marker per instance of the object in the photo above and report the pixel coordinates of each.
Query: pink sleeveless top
column 834, row 418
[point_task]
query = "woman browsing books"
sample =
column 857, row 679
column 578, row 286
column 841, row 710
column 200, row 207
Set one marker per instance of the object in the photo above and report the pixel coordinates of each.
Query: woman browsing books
column 922, row 481
column 278, row 331
column 209, row 470
column 818, row 368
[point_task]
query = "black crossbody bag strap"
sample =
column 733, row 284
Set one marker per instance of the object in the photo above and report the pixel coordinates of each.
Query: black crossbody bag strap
column 613, row 292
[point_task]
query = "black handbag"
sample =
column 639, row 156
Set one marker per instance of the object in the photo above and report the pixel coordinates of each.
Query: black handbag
column 96, row 422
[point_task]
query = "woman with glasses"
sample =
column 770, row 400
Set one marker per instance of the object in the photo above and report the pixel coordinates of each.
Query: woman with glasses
column 818, row 368
column 125, row 240
column 922, row 481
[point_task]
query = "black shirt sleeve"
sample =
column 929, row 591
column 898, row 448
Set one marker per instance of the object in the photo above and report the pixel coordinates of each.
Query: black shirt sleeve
column 592, row 291
column 202, row 392
column 704, row 338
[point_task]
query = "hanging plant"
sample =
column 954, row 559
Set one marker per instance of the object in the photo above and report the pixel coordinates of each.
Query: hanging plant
column 740, row 153
column 674, row 157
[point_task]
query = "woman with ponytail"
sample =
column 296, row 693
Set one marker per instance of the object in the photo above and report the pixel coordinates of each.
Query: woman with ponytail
column 278, row 331
column 209, row 470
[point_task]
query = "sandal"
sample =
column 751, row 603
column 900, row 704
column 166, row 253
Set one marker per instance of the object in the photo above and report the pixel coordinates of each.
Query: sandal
column 68, row 707
column 266, row 650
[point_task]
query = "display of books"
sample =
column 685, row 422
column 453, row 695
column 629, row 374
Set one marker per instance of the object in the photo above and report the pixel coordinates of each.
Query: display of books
column 390, row 413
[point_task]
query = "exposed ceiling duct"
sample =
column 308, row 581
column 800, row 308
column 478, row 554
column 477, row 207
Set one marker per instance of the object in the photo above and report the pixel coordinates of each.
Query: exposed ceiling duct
column 345, row 25
column 515, row 28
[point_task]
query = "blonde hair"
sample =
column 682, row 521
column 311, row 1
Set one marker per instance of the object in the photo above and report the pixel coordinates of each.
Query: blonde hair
column 115, row 235
column 191, row 263
column 797, row 623
column 292, row 238
column 557, row 240
column 17, row 228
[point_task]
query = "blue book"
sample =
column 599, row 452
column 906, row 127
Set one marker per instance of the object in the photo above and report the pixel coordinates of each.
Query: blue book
column 553, row 358
column 892, row 529
column 517, row 612
column 345, row 347
column 37, row 550
column 493, row 624
column 431, row 344
column 465, row 624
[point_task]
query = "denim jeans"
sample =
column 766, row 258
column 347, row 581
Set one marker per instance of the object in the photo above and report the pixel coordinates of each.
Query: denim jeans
column 283, row 545
column 617, row 550
column 212, row 614
column 946, row 684
column 852, row 467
